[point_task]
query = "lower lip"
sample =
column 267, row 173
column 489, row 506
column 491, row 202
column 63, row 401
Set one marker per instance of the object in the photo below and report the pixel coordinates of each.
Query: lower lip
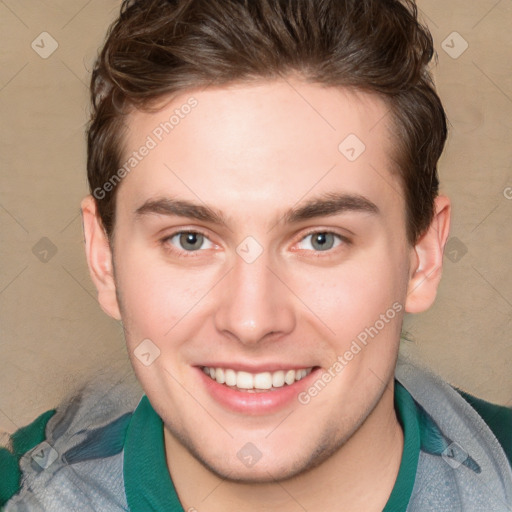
column 256, row 403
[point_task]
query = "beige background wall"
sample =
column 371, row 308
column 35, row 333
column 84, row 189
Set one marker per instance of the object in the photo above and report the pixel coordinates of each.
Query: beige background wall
column 53, row 332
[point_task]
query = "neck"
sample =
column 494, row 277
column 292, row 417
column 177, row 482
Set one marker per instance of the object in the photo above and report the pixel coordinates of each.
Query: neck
column 369, row 459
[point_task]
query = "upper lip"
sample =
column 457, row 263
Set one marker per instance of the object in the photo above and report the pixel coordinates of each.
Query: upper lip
column 257, row 368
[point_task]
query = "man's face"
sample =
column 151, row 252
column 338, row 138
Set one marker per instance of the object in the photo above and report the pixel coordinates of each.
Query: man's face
column 265, row 286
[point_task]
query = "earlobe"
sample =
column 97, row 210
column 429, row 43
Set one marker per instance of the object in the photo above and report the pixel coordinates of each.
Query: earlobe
column 99, row 258
column 427, row 260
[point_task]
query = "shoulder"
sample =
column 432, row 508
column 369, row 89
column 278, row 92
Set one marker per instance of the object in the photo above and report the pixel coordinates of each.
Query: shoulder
column 23, row 440
column 82, row 438
column 497, row 417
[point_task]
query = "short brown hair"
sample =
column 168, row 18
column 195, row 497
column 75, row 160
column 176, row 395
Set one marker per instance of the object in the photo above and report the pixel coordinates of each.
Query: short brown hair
column 161, row 47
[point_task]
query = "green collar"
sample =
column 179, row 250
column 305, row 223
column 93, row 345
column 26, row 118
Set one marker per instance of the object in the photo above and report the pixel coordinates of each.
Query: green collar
column 148, row 485
column 407, row 413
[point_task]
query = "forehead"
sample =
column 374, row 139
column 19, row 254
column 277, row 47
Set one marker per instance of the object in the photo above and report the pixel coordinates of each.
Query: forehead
column 265, row 145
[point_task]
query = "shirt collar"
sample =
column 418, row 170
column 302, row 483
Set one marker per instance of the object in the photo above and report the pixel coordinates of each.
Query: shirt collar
column 148, row 485
column 407, row 413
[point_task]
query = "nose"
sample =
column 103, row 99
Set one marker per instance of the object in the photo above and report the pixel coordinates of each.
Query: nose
column 255, row 304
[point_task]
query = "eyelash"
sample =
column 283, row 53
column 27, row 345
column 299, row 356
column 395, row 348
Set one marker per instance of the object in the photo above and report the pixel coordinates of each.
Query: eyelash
column 187, row 254
column 172, row 249
column 319, row 254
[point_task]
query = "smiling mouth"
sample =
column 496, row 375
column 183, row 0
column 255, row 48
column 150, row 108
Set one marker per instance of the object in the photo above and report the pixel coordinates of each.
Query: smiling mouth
column 256, row 382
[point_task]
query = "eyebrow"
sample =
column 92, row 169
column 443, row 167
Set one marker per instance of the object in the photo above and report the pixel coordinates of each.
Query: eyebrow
column 327, row 204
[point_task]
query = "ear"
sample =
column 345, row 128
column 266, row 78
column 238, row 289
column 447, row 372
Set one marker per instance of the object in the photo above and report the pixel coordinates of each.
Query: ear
column 99, row 258
column 427, row 260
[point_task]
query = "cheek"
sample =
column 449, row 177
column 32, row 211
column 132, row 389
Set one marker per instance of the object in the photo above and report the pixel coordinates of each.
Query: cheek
column 154, row 296
column 352, row 296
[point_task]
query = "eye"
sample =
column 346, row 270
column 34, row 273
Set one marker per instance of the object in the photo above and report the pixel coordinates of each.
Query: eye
column 322, row 241
column 189, row 241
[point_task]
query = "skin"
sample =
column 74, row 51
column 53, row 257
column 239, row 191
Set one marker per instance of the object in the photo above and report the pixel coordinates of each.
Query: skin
column 252, row 152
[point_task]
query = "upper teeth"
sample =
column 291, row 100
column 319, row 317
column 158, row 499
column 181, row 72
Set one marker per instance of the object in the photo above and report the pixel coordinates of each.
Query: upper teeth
column 265, row 380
